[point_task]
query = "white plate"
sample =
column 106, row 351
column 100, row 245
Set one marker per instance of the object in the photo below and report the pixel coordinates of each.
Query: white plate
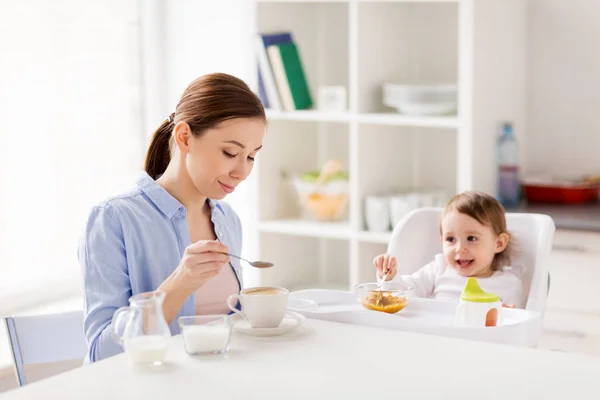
column 300, row 304
column 291, row 320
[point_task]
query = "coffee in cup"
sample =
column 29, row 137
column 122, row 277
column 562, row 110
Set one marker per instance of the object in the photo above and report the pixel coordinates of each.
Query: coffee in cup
column 262, row 307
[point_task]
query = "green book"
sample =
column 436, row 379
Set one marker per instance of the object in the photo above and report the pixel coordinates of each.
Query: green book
column 288, row 56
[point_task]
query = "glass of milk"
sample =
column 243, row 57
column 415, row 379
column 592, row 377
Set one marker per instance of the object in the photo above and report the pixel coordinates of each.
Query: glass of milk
column 206, row 334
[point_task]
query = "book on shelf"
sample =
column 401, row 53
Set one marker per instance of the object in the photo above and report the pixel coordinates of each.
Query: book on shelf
column 262, row 91
column 267, row 88
column 289, row 76
column 282, row 83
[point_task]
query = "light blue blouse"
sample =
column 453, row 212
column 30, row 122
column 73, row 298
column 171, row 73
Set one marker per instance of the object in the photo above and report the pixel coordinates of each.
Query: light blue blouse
column 131, row 244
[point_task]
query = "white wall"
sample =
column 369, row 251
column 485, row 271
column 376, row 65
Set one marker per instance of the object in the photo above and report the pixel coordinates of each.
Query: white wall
column 563, row 135
column 206, row 36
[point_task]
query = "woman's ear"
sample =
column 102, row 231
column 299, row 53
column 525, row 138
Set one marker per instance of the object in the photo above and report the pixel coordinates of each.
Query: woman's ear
column 182, row 134
column 501, row 242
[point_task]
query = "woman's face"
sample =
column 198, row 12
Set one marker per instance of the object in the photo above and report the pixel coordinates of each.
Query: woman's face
column 222, row 157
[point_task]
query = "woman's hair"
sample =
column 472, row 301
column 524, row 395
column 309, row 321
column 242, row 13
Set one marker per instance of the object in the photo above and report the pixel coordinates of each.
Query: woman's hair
column 489, row 212
column 205, row 103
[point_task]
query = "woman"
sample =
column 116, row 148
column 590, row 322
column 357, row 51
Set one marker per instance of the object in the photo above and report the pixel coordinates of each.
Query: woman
column 170, row 232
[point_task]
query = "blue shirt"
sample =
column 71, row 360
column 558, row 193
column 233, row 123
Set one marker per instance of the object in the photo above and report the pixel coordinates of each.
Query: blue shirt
column 131, row 244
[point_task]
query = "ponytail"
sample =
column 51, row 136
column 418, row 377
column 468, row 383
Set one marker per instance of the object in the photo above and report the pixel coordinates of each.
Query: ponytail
column 159, row 152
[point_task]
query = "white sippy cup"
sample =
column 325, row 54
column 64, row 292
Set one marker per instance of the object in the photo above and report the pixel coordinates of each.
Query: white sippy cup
column 477, row 308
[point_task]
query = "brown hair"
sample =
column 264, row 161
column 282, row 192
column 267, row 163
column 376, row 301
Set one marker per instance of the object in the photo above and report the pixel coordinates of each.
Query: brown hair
column 489, row 212
column 205, row 103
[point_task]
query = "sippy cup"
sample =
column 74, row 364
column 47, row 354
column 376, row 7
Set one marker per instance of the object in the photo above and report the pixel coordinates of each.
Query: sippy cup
column 477, row 308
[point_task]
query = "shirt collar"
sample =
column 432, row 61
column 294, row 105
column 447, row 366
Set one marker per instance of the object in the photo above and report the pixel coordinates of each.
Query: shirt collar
column 215, row 205
column 166, row 203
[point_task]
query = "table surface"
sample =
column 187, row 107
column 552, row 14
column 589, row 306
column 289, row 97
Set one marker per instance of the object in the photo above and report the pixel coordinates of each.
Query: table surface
column 322, row 359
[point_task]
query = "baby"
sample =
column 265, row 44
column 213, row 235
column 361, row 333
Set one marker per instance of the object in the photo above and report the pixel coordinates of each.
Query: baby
column 475, row 244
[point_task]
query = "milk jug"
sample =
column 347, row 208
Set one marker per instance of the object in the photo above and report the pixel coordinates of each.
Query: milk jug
column 145, row 334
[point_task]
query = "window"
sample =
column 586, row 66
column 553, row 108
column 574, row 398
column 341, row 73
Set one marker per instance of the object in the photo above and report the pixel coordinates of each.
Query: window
column 70, row 100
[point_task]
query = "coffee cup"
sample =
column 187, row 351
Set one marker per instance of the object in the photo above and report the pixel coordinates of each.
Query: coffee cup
column 262, row 307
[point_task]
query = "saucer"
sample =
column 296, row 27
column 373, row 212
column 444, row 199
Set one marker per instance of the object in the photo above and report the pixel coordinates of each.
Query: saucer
column 291, row 320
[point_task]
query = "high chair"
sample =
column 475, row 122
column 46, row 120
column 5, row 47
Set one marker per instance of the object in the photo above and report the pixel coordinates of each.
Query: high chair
column 416, row 240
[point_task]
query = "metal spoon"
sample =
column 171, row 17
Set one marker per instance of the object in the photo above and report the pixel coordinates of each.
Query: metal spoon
column 255, row 264
column 382, row 280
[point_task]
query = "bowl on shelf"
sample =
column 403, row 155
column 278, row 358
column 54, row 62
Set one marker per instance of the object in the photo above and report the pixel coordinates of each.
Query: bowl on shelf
column 422, row 100
column 391, row 298
column 326, row 202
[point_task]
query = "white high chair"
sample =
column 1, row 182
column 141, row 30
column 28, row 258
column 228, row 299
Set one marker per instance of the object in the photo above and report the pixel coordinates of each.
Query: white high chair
column 416, row 240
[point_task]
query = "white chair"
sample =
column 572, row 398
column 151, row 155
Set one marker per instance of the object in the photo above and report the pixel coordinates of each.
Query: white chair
column 416, row 239
column 46, row 339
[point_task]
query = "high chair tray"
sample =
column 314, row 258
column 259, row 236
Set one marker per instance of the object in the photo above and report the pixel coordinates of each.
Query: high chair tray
column 518, row 328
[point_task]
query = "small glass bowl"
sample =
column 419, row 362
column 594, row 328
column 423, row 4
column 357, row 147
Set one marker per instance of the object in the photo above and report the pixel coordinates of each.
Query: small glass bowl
column 391, row 298
column 206, row 334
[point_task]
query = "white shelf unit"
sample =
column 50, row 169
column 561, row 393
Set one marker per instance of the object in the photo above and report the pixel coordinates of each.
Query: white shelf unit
column 478, row 44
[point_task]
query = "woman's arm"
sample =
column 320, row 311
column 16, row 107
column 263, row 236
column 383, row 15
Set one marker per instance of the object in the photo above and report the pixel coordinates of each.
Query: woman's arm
column 105, row 280
column 175, row 296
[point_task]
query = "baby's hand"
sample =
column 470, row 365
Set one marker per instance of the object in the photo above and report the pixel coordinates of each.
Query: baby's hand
column 385, row 263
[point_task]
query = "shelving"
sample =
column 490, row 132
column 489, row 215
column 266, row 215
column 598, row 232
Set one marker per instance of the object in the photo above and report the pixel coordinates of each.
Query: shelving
column 408, row 43
column 299, row 227
column 308, row 115
column 406, row 120
column 331, row 230
column 374, row 237
column 361, row 45
column 393, row 119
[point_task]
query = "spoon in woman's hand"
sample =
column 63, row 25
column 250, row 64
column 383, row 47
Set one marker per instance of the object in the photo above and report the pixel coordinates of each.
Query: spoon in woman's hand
column 255, row 264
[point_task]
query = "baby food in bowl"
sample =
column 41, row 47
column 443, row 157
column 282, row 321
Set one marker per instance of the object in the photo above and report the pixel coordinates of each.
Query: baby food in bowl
column 390, row 298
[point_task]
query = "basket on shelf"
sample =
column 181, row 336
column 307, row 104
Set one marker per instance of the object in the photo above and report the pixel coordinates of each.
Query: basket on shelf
column 327, row 202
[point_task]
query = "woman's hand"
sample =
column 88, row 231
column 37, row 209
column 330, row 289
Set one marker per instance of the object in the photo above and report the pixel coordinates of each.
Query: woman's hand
column 385, row 263
column 201, row 262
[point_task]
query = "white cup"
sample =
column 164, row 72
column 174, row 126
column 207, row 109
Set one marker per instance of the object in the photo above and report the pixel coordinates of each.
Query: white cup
column 377, row 213
column 414, row 200
column 399, row 207
column 262, row 307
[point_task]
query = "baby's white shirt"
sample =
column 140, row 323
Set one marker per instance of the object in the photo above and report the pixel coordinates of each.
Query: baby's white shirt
column 438, row 281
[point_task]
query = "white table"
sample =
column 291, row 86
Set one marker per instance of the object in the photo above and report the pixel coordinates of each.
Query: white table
column 325, row 359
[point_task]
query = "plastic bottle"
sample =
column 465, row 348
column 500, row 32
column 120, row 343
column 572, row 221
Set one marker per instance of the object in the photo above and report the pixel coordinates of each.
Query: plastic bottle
column 508, row 168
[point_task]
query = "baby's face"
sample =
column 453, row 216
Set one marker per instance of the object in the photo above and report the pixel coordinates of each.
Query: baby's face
column 470, row 247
